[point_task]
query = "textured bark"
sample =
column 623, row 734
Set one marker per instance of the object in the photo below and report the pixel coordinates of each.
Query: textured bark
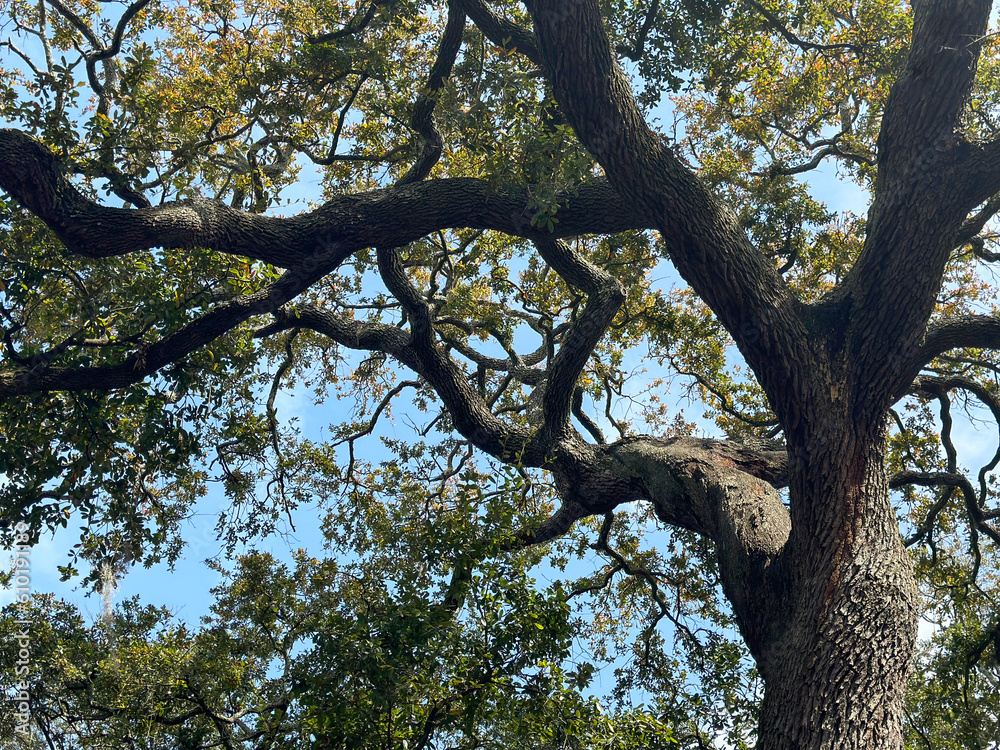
column 382, row 218
column 835, row 673
column 822, row 589
column 830, row 611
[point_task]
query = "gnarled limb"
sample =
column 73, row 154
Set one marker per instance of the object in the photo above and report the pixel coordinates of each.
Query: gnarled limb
column 148, row 358
column 422, row 120
column 918, row 209
column 606, row 296
column 389, row 218
column 957, row 332
column 503, row 33
column 704, row 240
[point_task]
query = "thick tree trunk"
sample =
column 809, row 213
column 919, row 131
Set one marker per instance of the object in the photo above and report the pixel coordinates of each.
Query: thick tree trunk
column 836, row 672
column 823, row 589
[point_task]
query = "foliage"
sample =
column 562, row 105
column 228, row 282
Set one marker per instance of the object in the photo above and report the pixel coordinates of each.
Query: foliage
column 430, row 621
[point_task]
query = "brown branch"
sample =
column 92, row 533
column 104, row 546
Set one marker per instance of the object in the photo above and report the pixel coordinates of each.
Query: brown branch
column 926, row 103
column 149, row 358
column 958, row 332
column 922, row 197
column 356, row 24
column 469, row 411
column 606, row 296
column 100, row 52
column 635, row 51
column 589, row 424
column 391, row 217
column 708, row 247
column 817, row 159
column 775, row 23
column 503, row 33
column 422, row 119
column 331, row 156
column 939, row 388
column 972, row 226
column 977, row 521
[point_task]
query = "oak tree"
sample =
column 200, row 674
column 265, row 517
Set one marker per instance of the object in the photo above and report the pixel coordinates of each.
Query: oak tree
column 500, row 200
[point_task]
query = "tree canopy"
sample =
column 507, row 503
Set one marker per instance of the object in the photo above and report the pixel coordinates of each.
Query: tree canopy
column 603, row 379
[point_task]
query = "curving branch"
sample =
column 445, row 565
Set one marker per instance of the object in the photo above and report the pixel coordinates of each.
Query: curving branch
column 500, row 31
column 939, row 388
column 977, row 519
column 391, row 217
column 951, row 479
column 100, row 52
column 973, row 225
column 724, row 490
column 958, row 332
column 704, row 240
column 605, row 297
column 917, row 211
column 148, row 358
column 422, row 120
column 358, row 23
column 635, row 51
column 470, row 413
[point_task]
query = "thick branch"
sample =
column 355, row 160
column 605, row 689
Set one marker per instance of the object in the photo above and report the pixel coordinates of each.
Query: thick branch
column 389, row 218
column 927, row 102
column 150, row 358
column 704, row 240
column 724, row 490
column 503, row 33
column 469, row 411
column 959, row 332
column 921, row 199
column 422, row 120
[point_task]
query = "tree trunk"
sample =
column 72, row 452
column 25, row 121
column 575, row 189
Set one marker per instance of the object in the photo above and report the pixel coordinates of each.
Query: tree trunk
column 836, row 672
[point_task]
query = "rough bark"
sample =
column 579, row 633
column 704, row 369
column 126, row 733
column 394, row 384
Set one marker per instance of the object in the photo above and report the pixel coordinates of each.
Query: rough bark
column 822, row 589
column 391, row 217
column 833, row 614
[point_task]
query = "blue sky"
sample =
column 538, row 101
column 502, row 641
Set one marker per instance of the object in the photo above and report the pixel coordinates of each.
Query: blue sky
column 185, row 589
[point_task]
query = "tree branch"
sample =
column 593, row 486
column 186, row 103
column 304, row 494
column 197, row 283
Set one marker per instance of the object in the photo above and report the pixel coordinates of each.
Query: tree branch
column 31, row 173
column 147, row 359
column 705, row 242
column 356, row 24
column 918, row 210
column 503, row 33
column 469, row 411
column 926, row 104
column 959, row 332
column 972, row 226
column 725, row 491
column 422, row 119
column 606, row 296
column 775, row 23
column 635, row 51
